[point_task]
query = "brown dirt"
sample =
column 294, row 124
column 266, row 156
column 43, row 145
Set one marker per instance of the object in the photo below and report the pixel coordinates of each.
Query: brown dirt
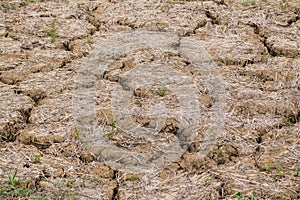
column 254, row 43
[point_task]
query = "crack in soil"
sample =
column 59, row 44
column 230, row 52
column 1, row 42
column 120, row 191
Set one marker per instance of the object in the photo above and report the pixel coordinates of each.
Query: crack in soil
column 263, row 39
column 115, row 195
column 214, row 19
column 293, row 20
column 252, row 149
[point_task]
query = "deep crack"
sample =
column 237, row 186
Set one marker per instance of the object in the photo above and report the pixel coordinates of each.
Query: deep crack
column 115, row 195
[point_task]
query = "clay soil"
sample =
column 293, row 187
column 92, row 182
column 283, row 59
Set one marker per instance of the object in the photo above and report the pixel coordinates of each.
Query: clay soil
column 255, row 45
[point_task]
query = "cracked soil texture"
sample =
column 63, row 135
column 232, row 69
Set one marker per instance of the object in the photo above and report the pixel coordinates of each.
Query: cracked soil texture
column 254, row 43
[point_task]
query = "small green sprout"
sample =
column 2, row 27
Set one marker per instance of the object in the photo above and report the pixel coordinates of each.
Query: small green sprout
column 238, row 196
column 87, row 147
column 36, row 158
column 14, row 189
column 76, row 132
column 113, row 130
column 264, row 59
column 283, row 5
column 207, row 182
column 268, row 168
column 249, row 50
column 113, row 126
column 89, row 39
column 132, row 177
column 245, row 3
column 161, row 92
column 288, row 122
column 42, row 198
column 296, row 173
column 12, row 181
column 52, row 32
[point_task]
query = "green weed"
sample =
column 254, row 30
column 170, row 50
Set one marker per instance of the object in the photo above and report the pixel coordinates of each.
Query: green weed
column 207, row 182
column 287, row 122
column 87, row 146
column 227, row 25
column 36, row 158
column 296, row 172
column 52, row 32
column 132, row 177
column 113, row 130
column 283, row 5
column 250, row 197
column 249, row 50
column 264, row 59
column 42, row 198
column 12, row 181
column 161, row 92
column 113, row 126
column 279, row 173
column 13, row 188
column 268, row 168
column 76, row 132
column 238, row 196
column 245, row 3
column 220, row 61
column 89, row 39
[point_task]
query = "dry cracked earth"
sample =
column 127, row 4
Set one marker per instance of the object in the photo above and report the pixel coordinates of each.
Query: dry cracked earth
column 255, row 47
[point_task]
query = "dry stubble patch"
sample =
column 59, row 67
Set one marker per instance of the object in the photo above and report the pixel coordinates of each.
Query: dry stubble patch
column 147, row 133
